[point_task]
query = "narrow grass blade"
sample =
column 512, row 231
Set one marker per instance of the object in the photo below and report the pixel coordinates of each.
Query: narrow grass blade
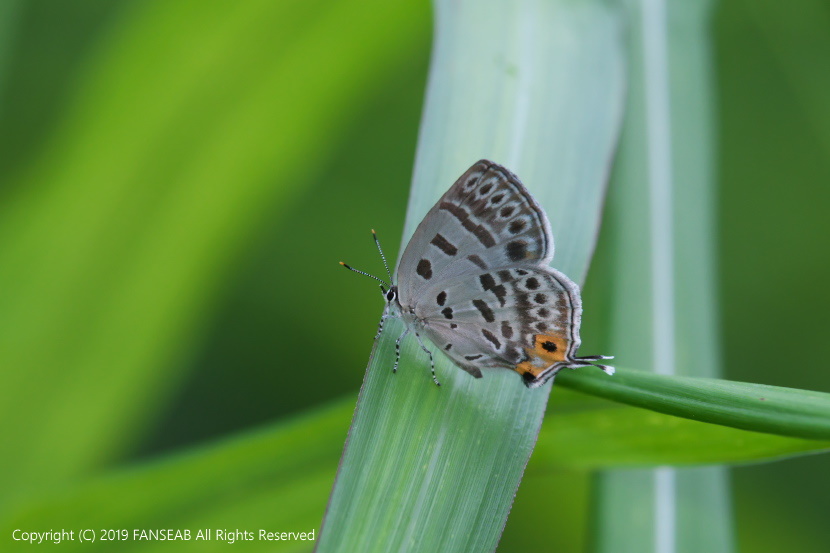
column 756, row 407
column 609, row 435
column 536, row 86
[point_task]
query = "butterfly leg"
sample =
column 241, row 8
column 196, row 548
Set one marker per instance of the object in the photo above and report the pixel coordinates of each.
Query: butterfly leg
column 398, row 349
column 431, row 360
column 380, row 325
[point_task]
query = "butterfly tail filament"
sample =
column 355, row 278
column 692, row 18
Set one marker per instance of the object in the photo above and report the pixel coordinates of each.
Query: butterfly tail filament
column 586, row 361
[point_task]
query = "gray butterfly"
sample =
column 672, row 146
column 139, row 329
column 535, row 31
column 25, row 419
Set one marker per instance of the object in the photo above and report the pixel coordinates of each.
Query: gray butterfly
column 475, row 280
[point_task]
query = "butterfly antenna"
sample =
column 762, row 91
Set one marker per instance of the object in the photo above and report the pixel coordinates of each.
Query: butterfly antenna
column 363, row 273
column 385, row 264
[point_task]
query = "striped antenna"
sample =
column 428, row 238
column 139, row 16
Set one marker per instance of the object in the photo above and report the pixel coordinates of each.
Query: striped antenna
column 385, row 264
column 364, row 273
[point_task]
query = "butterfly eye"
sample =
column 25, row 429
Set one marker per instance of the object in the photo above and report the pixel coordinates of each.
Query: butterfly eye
column 390, row 295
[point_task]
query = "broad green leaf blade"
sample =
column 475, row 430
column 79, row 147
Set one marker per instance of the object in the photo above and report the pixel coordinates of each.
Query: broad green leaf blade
column 536, row 86
column 661, row 298
column 118, row 238
column 756, row 407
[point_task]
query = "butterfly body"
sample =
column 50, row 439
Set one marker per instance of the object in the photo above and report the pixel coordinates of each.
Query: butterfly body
column 474, row 279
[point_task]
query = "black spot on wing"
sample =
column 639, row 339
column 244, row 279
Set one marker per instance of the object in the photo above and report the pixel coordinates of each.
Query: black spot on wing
column 485, row 310
column 487, row 281
column 484, row 236
column 447, row 312
column 488, row 284
column 444, row 245
column 424, row 269
column 491, row 337
column 532, row 283
column 516, row 250
column 516, row 226
column 441, row 298
column 501, row 294
column 549, row 346
column 538, row 298
column 473, row 357
column 523, row 311
column 448, row 347
column 506, row 330
column 477, row 261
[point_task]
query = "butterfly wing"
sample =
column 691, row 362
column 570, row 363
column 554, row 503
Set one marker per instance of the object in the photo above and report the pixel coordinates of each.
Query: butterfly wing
column 487, row 219
column 524, row 318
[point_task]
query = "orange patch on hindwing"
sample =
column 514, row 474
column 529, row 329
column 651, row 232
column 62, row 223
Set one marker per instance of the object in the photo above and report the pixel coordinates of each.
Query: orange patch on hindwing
column 546, row 351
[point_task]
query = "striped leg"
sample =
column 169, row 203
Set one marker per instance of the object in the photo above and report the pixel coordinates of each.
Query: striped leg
column 380, row 325
column 398, row 349
column 431, row 360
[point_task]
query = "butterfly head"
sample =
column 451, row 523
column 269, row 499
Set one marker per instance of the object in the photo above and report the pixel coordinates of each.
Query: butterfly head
column 390, row 295
column 389, row 290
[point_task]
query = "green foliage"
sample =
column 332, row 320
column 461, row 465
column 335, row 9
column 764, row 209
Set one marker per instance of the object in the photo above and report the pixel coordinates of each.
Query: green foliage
column 180, row 178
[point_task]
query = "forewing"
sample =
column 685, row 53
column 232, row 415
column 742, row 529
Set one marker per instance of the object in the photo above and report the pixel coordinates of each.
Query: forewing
column 486, row 220
column 523, row 318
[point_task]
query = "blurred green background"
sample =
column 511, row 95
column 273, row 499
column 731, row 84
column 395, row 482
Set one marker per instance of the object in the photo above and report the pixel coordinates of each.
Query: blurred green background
column 179, row 180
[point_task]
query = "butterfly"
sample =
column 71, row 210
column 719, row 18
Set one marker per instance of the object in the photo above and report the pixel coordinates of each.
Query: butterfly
column 474, row 279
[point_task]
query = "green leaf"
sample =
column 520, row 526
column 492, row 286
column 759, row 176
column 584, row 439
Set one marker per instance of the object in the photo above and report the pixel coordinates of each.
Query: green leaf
column 190, row 123
column 757, row 407
column 657, row 275
column 251, row 481
column 601, row 434
column 275, row 479
column 538, row 88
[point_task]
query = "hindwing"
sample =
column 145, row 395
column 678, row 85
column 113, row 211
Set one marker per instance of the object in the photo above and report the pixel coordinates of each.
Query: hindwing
column 524, row 318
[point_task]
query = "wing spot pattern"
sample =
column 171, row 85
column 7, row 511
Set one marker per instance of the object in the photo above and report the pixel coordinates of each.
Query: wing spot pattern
column 517, row 225
column 424, row 269
column 484, row 236
column 516, row 250
column 485, row 310
column 491, row 337
column 444, row 245
column 477, row 261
